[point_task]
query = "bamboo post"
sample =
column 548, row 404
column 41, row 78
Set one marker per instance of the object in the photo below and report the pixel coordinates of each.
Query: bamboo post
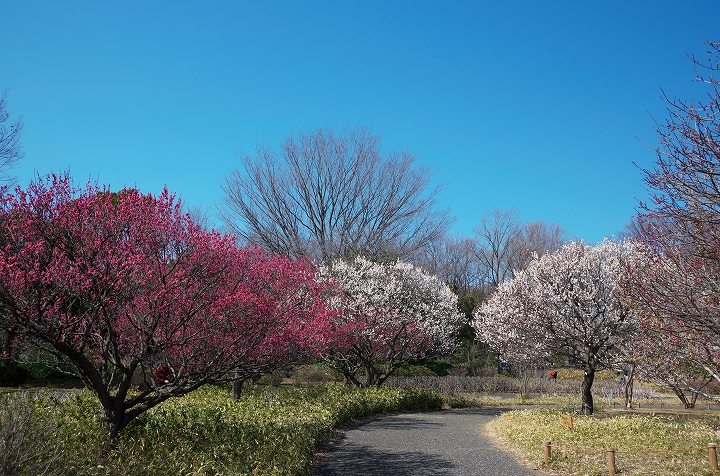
column 712, row 453
column 547, row 451
column 611, row 461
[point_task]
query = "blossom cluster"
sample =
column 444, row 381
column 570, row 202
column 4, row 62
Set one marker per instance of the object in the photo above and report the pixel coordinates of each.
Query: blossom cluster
column 121, row 283
column 390, row 313
column 565, row 302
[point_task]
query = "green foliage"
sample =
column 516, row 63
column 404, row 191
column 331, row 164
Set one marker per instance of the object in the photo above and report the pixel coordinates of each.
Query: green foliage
column 414, row 371
column 40, row 371
column 438, row 367
column 468, row 300
column 424, row 368
column 315, row 374
column 270, row 431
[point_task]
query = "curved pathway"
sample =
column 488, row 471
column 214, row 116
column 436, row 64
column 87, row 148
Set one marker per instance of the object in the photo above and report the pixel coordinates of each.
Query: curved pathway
column 441, row 443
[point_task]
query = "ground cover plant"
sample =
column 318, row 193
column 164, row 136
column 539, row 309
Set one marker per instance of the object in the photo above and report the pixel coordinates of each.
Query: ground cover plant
column 628, row 433
column 270, row 430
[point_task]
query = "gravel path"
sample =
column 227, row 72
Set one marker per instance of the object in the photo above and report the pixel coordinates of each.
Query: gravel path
column 443, row 443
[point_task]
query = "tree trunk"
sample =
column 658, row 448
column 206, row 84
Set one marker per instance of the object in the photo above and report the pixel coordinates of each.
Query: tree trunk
column 681, row 395
column 587, row 399
column 629, row 382
column 237, row 386
column 369, row 376
column 115, row 421
column 8, row 350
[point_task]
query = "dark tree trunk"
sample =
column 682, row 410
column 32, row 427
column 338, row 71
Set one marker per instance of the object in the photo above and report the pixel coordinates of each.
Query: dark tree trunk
column 237, row 387
column 693, row 400
column 629, row 382
column 8, row 351
column 115, row 421
column 587, row 399
column 370, row 376
column 687, row 403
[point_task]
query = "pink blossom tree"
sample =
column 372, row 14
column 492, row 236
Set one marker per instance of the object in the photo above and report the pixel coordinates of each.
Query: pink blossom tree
column 124, row 286
column 567, row 303
column 677, row 286
column 391, row 313
column 675, row 294
column 675, row 362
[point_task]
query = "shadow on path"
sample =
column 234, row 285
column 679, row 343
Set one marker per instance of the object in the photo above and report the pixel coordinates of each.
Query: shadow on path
column 444, row 443
column 351, row 459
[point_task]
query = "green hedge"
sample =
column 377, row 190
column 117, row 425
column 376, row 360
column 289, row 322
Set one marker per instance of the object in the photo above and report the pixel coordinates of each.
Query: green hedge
column 270, row 431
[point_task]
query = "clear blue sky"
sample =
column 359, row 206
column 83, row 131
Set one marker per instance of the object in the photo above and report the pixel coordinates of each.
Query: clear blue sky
column 525, row 104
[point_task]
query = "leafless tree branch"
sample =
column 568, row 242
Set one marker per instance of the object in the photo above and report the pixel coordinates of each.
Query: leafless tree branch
column 327, row 194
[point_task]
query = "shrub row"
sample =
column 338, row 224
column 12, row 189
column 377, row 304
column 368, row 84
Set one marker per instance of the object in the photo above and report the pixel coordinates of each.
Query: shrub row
column 453, row 385
column 270, row 431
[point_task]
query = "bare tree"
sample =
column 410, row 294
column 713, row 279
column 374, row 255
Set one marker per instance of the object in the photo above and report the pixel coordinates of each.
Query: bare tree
column 535, row 239
column 10, row 133
column 506, row 245
column 326, row 195
column 452, row 259
column 495, row 234
column 10, row 153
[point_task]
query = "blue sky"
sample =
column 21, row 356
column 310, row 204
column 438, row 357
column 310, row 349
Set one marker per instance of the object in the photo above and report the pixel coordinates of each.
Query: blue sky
column 534, row 105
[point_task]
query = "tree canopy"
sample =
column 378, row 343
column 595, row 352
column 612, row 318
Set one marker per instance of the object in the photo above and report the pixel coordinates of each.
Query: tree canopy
column 124, row 287
column 390, row 313
column 328, row 195
column 567, row 303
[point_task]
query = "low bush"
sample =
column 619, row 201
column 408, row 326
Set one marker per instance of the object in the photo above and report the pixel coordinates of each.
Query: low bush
column 313, row 374
column 40, row 371
column 269, row 431
column 415, row 371
column 27, row 443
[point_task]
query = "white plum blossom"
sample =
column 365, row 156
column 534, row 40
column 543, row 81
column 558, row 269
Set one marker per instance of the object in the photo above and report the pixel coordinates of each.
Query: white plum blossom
column 567, row 303
column 391, row 313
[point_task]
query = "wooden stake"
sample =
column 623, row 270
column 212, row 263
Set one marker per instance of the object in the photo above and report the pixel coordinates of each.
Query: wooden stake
column 547, row 452
column 611, row 461
column 712, row 453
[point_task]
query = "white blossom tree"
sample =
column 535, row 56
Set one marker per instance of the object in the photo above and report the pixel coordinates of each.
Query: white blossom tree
column 391, row 313
column 567, row 303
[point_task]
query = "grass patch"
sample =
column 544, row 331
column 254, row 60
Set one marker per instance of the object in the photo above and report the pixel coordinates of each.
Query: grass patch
column 628, row 433
column 270, row 431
